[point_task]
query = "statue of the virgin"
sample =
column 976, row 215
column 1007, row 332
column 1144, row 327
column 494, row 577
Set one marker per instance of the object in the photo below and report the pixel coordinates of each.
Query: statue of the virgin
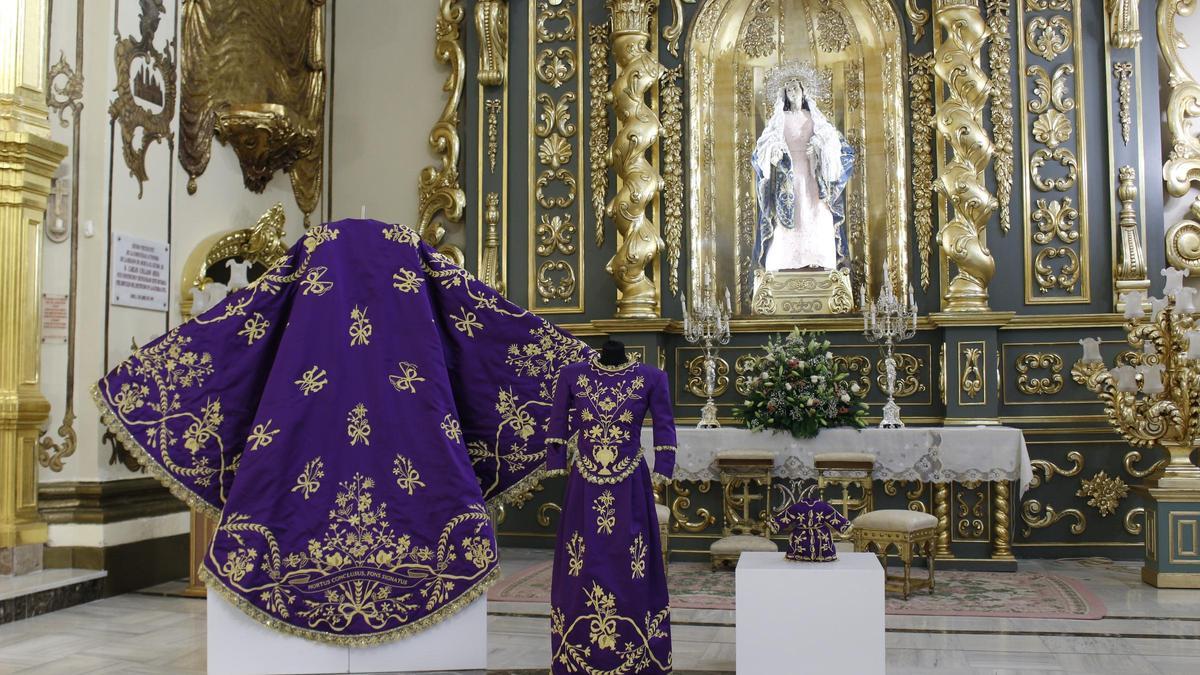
column 802, row 164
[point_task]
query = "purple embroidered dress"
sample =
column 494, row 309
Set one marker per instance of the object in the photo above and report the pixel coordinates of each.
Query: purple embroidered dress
column 810, row 522
column 609, row 606
column 346, row 418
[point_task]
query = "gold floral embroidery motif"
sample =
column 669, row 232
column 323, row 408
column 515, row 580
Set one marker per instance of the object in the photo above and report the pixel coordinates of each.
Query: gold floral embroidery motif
column 309, row 481
column 379, row 583
column 407, row 281
column 637, row 560
column 204, row 429
column 313, row 380
column 466, row 323
column 406, row 475
column 401, row 235
column 452, row 428
column 131, row 397
column 261, row 436
column 317, row 235
column 357, row 426
column 314, row 283
column 606, row 515
column 631, row 646
column 607, row 421
column 254, row 328
column 360, row 327
column 575, row 549
column 407, row 378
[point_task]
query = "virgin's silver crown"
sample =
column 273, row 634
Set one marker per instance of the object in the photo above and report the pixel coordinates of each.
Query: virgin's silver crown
column 816, row 81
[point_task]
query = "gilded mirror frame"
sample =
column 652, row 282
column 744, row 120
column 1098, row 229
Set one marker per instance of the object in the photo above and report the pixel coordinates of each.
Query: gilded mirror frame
column 731, row 44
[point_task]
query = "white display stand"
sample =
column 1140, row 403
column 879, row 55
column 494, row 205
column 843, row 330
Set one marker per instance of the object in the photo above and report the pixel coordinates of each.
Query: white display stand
column 798, row 617
column 240, row 645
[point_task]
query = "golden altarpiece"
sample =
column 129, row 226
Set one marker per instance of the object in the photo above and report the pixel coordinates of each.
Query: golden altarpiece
column 596, row 163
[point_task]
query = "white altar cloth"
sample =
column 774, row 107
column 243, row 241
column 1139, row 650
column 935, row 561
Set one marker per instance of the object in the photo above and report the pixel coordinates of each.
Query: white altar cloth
column 930, row 454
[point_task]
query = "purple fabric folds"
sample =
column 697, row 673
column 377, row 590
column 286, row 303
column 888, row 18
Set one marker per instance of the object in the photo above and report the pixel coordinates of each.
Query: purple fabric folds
column 346, row 419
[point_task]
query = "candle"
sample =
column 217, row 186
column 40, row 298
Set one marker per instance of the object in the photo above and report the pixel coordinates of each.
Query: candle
column 1126, row 378
column 1185, row 301
column 1151, row 378
column 362, row 212
column 1174, row 280
column 1091, row 350
column 1133, row 304
column 1193, row 350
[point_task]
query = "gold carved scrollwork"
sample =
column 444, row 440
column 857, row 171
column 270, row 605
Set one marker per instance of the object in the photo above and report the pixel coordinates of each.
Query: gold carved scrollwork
column 920, row 82
column 1049, row 469
column 556, row 232
column 680, row 505
column 1103, row 492
column 598, row 122
column 1182, row 167
column 491, row 26
column 1037, row 516
column 1124, row 24
column 1064, row 158
column 860, row 366
column 746, row 366
column 674, row 30
column 1049, row 37
column 971, row 381
column 1067, row 275
column 1033, row 385
column 64, row 90
column 962, row 179
column 970, row 516
column 1131, row 525
column 917, row 17
column 1129, row 273
column 547, row 178
column 908, row 370
column 672, row 145
column 145, row 100
column 1183, row 241
column 1133, row 457
column 555, row 67
column 439, row 188
column 551, row 289
column 1000, row 64
column 695, row 383
column 637, row 132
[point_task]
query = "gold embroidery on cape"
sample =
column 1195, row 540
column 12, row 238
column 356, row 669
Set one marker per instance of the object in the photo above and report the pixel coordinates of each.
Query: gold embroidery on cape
column 575, row 549
column 360, row 569
column 254, row 328
column 313, row 380
column 407, row 281
column 606, row 426
column 360, row 327
column 407, row 379
column 603, row 622
column 401, row 235
column 406, row 475
column 467, row 323
column 452, row 428
column 309, row 481
column 637, row 557
column 261, row 436
column 314, row 283
column 358, row 428
column 606, row 515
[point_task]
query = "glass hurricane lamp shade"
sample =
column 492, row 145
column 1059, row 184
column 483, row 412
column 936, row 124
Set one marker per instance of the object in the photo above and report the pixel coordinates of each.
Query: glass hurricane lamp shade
column 1174, row 279
column 1126, row 377
column 1152, row 383
column 1193, row 350
column 1091, row 350
column 1185, row 301
column 1133, row 305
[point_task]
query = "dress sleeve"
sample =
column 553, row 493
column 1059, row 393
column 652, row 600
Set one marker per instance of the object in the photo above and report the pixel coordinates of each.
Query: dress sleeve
column 556, row 433
column 664, row 428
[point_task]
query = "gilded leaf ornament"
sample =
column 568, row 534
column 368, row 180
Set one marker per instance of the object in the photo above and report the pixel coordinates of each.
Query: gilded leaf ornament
column 1049, row 37
column 598, row 122
column 1050, row 469
column 920, row 79
column 556, row 233
column 917, row 18
column 671, row 101
column 1103, row 492
column 439, row 187
column 1032, row 385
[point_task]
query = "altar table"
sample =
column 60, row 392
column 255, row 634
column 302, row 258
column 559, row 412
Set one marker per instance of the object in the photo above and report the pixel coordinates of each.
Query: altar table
column 936, row 455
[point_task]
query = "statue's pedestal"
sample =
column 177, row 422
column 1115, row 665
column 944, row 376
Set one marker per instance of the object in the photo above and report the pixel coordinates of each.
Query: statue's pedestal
column 1172, row 531
column 802, row 292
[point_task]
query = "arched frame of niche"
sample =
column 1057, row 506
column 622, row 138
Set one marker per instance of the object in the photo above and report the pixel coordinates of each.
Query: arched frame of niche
column 731, row 45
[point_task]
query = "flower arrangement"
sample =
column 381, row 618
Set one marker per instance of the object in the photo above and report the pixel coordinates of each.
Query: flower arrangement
column 799, row 388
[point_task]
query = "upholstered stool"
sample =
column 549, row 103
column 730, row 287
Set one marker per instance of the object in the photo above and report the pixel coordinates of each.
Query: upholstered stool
column 664, row 530
column 909, row 532
column 846, row 470
column 744, row 527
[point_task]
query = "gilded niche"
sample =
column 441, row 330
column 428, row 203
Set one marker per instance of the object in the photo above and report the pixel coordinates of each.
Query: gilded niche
column 851, row 53
column 253, row 75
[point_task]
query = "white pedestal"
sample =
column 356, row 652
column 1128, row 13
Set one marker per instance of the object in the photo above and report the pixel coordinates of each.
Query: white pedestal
column 797, row 617
column 240, row 645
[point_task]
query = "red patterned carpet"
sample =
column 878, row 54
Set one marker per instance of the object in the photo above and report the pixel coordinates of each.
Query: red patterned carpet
column 1013, row 595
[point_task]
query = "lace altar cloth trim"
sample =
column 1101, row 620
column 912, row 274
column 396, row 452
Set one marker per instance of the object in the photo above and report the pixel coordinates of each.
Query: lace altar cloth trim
column 930, row 454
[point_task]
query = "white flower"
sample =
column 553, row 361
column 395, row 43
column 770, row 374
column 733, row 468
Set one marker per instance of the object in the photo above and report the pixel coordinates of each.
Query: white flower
column 855, row 388
column 812, row 401
column 845, row 398
column 763, row 374
column 802, row 364
column 815, row 379
column 746, row 402
column 829, row 355
column 788, row 386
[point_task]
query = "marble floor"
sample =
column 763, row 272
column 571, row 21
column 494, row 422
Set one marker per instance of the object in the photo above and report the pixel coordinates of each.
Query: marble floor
column 1146, row 632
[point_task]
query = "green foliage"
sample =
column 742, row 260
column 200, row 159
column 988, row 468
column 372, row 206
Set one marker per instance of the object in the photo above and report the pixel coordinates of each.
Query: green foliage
column 799, row 388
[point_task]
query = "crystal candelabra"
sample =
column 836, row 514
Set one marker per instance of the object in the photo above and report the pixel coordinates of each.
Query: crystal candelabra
column 1152, row 397
column 889, row 320
column 707, row 322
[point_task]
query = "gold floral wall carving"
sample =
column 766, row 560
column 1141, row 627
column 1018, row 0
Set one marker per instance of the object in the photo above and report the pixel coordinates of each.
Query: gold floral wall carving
column 441, row 199
column 556, row 156
column 1000, row 65
column 1052, row 116
column 1182, row 168
column 1028, row 380
column 920, row 81
column 144, row 106
column 253, row 75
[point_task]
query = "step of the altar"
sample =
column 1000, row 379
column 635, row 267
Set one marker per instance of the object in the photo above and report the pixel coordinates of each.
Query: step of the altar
column 29, row 595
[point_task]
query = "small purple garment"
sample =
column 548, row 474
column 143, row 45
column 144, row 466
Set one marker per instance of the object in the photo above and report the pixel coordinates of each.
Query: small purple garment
column 809, row 521
column 609, row 610
column 346, row 418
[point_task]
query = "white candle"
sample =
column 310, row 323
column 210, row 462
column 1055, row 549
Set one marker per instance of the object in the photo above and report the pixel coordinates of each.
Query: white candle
column 1133, row 304
column 1091, row 350
column 1151, row 378
column 362, row 212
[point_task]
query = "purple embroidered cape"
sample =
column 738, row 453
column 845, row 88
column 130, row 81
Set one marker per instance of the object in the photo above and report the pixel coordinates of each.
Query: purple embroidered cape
column 609, row 609
column 346, row 418
column 810, row 522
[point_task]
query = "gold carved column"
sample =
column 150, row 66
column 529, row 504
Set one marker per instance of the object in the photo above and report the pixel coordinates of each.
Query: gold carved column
column 962, row 180
column 638, row 129
column 28, row 160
